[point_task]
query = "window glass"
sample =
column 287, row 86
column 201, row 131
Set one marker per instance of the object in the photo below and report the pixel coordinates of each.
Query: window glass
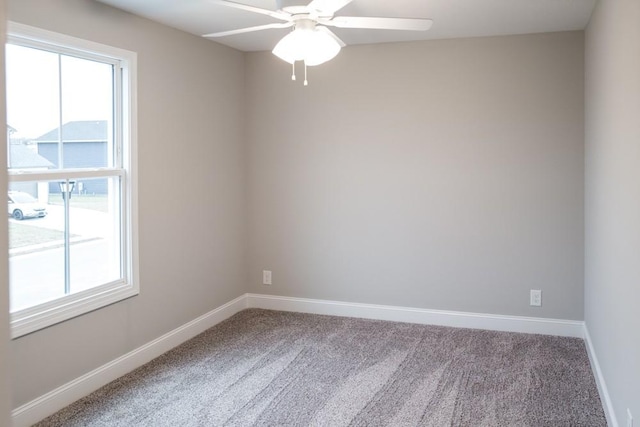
column 95, row 223
column 36, row 248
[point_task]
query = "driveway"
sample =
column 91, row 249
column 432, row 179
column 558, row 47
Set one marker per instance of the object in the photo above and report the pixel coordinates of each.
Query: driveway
column 39, row 276
column 37, row 272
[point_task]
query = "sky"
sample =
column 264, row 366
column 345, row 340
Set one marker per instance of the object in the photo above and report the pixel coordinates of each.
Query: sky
column 33, row 90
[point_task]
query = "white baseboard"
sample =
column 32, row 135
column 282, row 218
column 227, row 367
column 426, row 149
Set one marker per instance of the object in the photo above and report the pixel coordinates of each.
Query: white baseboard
column 68, row 393
column 495, row 322
column 607, row 405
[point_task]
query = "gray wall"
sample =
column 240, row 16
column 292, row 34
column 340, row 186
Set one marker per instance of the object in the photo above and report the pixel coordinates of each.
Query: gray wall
column 191, row 192
column 612, row 206
column 443, row 174
column 5, row 367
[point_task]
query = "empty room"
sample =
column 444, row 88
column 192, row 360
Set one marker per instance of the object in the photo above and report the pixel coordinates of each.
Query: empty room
column 321, row 213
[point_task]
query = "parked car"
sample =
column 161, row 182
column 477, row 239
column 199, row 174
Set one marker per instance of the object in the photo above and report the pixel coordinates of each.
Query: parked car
column 24, row 205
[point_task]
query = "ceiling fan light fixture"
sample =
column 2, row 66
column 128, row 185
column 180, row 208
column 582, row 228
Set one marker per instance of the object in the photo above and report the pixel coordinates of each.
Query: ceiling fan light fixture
column 311, row 41
column 310, row 45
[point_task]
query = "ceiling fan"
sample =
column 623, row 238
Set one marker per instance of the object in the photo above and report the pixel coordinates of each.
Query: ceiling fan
column 311, row 41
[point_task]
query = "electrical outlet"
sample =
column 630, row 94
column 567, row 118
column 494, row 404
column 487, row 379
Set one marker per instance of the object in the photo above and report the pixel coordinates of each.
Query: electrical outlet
column 266, row 277
column 629, row 418
column 535, row 298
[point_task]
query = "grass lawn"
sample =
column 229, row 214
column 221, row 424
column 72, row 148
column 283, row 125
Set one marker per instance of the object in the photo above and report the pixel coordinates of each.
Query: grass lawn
column 84, row 201
column 25, row 235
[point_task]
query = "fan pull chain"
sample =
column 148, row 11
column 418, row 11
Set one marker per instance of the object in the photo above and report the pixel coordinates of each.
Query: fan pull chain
column 306, row 83
column 293, row 71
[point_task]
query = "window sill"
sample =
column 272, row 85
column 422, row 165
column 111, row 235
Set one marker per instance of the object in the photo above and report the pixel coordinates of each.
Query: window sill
column 47, row 314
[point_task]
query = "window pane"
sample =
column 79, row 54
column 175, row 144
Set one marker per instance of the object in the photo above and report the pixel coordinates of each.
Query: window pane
column 37, row 239
column 32, row 105
column 52, row 97
column 36, row 245
column 87, row 110
column 95, row 224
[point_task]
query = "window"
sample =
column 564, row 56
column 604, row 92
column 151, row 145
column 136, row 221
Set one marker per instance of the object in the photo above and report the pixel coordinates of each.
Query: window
column 71, row 164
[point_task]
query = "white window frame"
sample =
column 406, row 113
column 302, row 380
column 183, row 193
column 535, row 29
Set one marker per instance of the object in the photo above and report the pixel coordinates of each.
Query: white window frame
column 43, row 315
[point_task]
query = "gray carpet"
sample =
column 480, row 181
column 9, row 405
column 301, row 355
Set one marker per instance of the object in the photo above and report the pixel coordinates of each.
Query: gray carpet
column 269, row 368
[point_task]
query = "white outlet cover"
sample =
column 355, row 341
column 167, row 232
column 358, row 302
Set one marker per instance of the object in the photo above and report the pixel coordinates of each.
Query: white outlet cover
column 266, row 277
column 535, row 298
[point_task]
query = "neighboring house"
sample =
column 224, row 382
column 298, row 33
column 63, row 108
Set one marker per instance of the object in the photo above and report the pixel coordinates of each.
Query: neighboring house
column 25, row 158
column 84, row 146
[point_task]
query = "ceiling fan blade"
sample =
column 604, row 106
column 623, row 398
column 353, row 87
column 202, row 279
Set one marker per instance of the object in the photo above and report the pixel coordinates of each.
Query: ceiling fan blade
column 332, row 34
column 248, row 8
column 328, row 6
column 407, row 24
column 250, row 29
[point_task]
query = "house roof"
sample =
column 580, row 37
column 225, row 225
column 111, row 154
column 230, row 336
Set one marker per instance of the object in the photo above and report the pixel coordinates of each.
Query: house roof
column 78, row 131
column 23, row 157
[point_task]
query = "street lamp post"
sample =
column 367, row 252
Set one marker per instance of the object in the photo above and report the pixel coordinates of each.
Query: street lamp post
column 66, row 189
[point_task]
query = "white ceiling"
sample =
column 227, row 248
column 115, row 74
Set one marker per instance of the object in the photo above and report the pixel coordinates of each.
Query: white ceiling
column 452, row 18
